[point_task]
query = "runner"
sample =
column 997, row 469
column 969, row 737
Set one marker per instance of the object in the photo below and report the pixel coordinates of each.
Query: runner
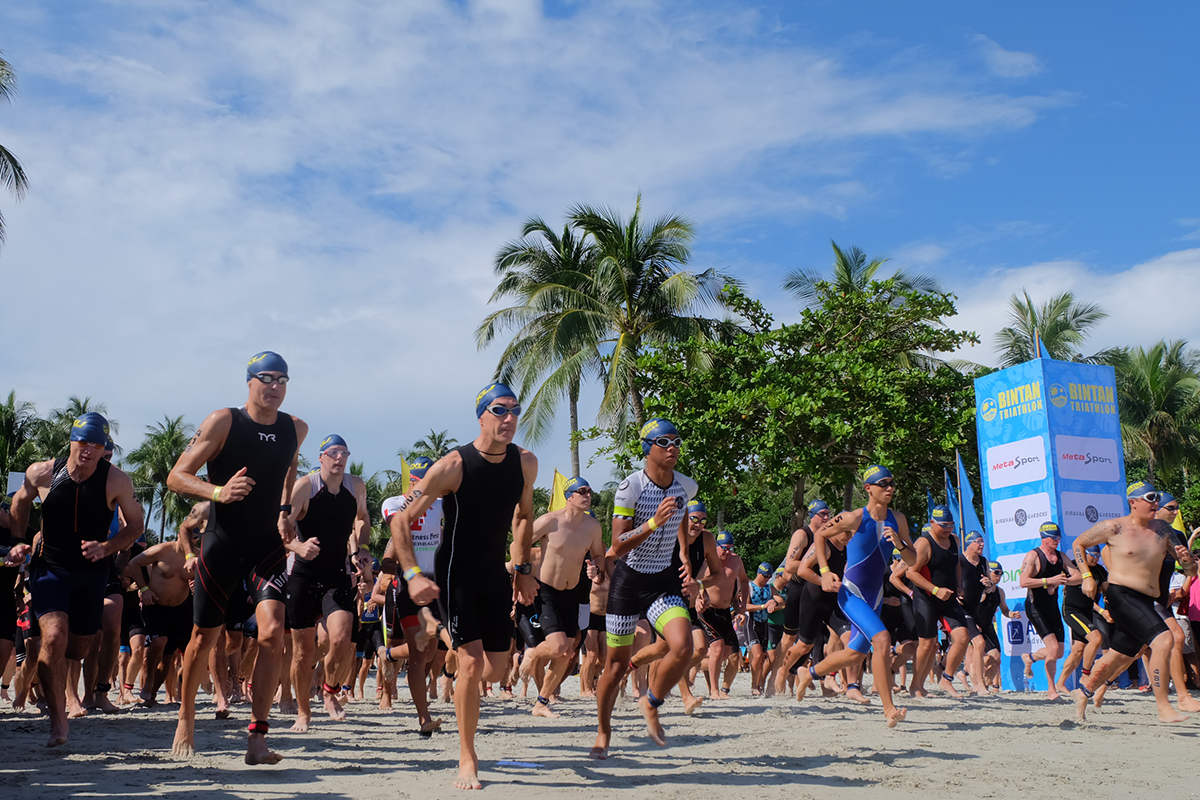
column 1168, row 507
column 726, row 593
column 649, row 531
column 1045, row 569
column 801, row 542
column 329, row 510
column 1134, row 553
column 566, row 537
column 760, row 606
column 860, row 593
column 1079, row 612
column 993, row 600
column 251, row 455
column 899, row 617
column 79, row 494
column 483, row 483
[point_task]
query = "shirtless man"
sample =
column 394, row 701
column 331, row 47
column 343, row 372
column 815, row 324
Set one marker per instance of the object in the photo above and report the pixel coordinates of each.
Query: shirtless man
column 1168, row 507
column 79, row 493
column 251, row 454
column 166, row 596
column 725, row 596
column 1134, row 553
column 566, row 537
column 1042, row 572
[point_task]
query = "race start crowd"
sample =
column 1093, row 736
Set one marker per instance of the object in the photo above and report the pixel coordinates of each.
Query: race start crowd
column 269, row 591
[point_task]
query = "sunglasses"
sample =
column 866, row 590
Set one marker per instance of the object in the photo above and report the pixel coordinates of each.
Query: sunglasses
column 585, row 490
column 666, row 441
column 268, row 379
column 725, row 547
column 886, row 483
column 502, row 411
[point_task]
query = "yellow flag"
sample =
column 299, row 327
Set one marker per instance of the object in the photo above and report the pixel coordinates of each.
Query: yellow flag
column 557, row 498
column 1178, row 525
column 405, row 475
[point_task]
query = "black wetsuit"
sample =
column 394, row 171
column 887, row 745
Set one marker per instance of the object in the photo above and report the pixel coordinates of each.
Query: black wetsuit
column 63, row 579
column 816, row 606
column 985, row 618
column 476, row 591
column 1078, row 609
column 696, row 560
column 242, row 542
column 972, row 584
column 321, row 586
column 794, row 592
column 943, row 573
column 1041, row 605
column 899, row 619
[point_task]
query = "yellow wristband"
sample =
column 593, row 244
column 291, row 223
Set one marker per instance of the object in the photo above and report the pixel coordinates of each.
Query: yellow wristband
column 1045, row 584
column 936, row 589
column 1087, row 574
column 824, row 570
column 651, row 524
column 189, row 555
column 217, row 494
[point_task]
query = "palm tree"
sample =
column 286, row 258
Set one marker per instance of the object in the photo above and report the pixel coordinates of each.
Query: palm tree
column 1061, row 324
column 12, row 175
column 19, row 424
column 154, row 458
column 433, row 445
column 851, row 273
column 539, row 270
column 639, row 296
column 1158, row 392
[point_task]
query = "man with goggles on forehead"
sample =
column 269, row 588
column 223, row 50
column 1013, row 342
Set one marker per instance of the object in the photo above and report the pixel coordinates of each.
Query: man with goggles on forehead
column 251, row 454
column 1044, row 569
column 67, row 583
column 650, row 530
column 486, row 486
column 329, row 510
column 1134, row 554
column 567, row 536
column 1168, row 507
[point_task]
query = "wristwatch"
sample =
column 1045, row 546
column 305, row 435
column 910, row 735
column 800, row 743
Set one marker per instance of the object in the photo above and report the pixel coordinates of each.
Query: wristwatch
column 524, row 569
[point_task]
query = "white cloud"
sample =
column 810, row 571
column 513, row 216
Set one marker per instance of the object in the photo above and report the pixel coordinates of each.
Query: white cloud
column 332, row 181
column 1194, row 234
column 1006, row 63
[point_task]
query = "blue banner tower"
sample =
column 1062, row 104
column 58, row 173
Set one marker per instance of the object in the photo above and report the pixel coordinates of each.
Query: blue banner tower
column 1049, row 451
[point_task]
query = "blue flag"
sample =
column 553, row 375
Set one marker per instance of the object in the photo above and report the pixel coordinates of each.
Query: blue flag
column 1042, row 351
column 952, row 501
column 970, row 521
column 929, row 504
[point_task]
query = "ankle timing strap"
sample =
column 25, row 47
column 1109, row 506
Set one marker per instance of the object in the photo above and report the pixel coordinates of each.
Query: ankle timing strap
column 1086, row 693
column 445, row 674
column 325, row 687
column 813, row 672
column 543, row 701
column 259, row 727
column 654, row 701
column 104, row 688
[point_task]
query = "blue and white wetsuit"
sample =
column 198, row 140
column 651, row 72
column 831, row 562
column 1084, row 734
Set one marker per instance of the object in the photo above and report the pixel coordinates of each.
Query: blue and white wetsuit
column 868, row 556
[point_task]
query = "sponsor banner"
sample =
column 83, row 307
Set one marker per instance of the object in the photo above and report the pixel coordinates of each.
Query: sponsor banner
column 1010, row 582
column 1018, row 637
column 1082, row 510
column 1087, row 458
column 1017, row 519
column 1022, row 461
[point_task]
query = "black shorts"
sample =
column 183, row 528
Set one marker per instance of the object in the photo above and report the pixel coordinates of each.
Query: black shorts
column 476, row 608
column 633, row 595
column 529, row 624
column 929, row 611
column 1045, row 618
column 173, row 622
column 774, row 635
column 900, row 621
column 559, row 610
column 718, row 624
column 988, row 628
column 114, row 580
column 760, row 633
column 838, row 622
column 814, row 615
column 131, row 618
column 78, row 593
column 1079, row 621
column 1135, row 621
column 309, row 599
column 363, row 640
column 791, row 605
column 225, row 566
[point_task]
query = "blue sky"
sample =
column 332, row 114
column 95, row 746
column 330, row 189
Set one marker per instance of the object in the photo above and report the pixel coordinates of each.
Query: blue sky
column 331, row 180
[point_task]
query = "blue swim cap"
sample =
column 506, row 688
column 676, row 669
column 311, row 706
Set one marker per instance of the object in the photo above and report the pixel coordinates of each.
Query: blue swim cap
column 266, row 361
column 724, row 539
column 1164, row 498
column 333, row 440
column 419, row 466
column 655, row 428
column 574, row 485
column 972, row 537
column 995, row 566
column 925, row 528
column 492, row 391
column 1093, row 551
column 374, row 565
column 817, row 506
column 696, row 507
column 874, row 474
column 942, row 515
column 110, row 445
column 1139, row 488
column 896, row 555
column 1050, row 530
column 765, row 568
column 91, row 428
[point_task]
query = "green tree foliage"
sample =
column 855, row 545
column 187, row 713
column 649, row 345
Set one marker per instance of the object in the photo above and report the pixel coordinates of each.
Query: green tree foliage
column 1062, row 324
column 12, row 174
column 153, row 459
column 1158, row 396
column 434, row 444
column 852, row 273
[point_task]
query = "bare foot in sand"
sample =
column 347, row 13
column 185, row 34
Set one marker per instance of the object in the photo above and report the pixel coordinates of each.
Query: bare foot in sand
column 854, row 693
column 257, row 751
column 468, row 773
column 600, row 748
column 1052, row 694
column 301, row 724
column 1081, row 702
column 288, row 706
column 429, row 726
column 58, row 730
column 184, row 745
column 804, row 682
column 333, row 708
column 916, row 693
column 654, row 728
column 74, row 709
column 540, row 709
column 1170, row 716
column 895, row 716
column 692, row 705
column 1028, row 665
column 947, row 686
column 1188, row 703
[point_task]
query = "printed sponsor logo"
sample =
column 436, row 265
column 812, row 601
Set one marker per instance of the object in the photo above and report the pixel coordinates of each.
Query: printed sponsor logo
column 1022, row 461
column 1086, row 458
column 1017, row 518
column 988, row 410
column 1013, row 402
column 1058, row 395
column 1082, row 510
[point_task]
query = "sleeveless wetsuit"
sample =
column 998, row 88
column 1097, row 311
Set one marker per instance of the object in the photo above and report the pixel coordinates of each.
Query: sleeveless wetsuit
column 816, row 606
column 63, row 579
column 943, row 573
column 323, row 586
column 1041, row 605
column 1079, row 609
column 476, row 591
column 794, row 591
column 242, row 543
column 861, row 595
column 985, row 618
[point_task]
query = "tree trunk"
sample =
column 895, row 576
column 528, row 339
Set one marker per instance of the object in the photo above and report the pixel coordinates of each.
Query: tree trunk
column 721, row 518
column 798, row 508
column 847, row 496
column 162, row 515
column 639, row 409
column 573, row 401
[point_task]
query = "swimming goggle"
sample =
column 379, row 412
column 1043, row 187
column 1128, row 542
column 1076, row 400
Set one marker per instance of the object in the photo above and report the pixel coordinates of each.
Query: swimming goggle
column 1149, row 497
column 667, row 441
column 502, row 411
column 268, row 379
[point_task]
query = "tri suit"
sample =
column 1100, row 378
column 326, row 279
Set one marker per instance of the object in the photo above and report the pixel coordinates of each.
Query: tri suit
column 1041, row 605
column 867, row 557
column 323, row 585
